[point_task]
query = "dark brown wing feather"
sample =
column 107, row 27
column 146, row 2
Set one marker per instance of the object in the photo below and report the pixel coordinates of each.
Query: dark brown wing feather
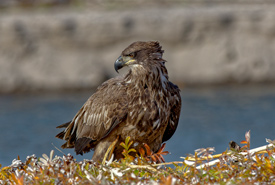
column 175, row 112
column 64, row 125
column 102, row 112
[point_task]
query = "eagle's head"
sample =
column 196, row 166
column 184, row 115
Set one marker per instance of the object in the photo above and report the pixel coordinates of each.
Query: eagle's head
column 139, row 53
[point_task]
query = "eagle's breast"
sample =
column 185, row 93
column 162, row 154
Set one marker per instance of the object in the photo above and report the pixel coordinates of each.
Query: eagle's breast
column 148, row 108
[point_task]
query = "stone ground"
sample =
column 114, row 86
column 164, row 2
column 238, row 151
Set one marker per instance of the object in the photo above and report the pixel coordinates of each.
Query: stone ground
column 64, row 45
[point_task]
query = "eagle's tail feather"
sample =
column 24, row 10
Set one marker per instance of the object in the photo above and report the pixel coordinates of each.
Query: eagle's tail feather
column 80, row 144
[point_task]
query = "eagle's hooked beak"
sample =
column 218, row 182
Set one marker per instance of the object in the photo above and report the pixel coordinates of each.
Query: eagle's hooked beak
column 124, row 61
column 119, row 63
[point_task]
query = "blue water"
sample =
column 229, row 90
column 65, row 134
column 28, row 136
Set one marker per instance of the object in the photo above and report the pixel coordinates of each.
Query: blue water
column 211, row 117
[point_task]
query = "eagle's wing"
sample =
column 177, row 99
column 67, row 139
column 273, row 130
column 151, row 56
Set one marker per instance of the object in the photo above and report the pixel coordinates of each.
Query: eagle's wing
column 102, row 112
column 175, row 102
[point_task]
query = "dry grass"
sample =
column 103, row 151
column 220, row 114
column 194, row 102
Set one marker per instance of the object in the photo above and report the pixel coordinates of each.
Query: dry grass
column 230, row 167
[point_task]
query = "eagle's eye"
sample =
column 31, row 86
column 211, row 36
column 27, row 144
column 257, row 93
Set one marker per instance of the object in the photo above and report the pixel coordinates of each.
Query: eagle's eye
column 132, row 55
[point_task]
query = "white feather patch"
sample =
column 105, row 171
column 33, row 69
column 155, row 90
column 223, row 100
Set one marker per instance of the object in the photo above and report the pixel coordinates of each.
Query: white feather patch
column 156, row 124
column 75, row 124
column 172, row 122
column 176, row 97
column 97, row 118
column 135, row 144
column 129, row 128
column 161, row 93
column 85, row 117
column 105, row 113
column 89, row 120
column 76, row 120
column 142, row 133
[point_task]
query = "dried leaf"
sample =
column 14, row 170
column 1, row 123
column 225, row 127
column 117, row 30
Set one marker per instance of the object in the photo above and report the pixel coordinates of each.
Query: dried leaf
column 148, row 149
column 141, row 152
column 165, row 153
column 162, row 147
column 247, row 138
column 162, row 159
column 157, row 157
column 153, row 158
column 270, row 141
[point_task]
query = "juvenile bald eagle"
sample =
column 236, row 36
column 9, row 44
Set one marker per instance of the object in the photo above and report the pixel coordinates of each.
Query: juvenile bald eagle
column 143, row 104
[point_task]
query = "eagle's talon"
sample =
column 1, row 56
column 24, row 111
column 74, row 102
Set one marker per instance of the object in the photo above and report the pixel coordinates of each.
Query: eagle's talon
column 151, row 156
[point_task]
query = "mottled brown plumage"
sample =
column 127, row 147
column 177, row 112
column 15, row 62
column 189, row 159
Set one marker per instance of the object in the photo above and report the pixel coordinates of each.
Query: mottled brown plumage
column 143, row 104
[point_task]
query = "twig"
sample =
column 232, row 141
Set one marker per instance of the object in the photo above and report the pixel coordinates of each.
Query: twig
column 203, row 158
column 259, row 149
column 150, row 167
column 255, row 150
column 143, row 167
column 160, row 164
column 211, row 163
column 58, row 149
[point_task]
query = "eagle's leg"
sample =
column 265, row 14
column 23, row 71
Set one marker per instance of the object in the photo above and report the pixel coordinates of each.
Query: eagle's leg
column 109, row 151
column 113, row 148
column 102, row 147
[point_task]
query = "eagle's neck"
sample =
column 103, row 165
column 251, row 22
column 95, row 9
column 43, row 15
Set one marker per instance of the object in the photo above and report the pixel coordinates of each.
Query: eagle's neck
column 154, row 77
